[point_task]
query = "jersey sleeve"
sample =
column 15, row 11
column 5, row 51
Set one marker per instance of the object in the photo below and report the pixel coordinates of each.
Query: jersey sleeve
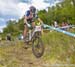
column 27, row 13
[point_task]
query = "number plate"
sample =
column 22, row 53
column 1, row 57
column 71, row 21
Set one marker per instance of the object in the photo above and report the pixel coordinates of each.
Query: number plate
column 38, row 28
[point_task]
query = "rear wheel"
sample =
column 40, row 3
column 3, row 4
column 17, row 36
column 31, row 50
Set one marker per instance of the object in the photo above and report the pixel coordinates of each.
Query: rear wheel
column 38, row 47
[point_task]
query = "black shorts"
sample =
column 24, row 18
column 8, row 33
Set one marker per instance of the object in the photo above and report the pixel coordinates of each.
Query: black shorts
column 30, row 21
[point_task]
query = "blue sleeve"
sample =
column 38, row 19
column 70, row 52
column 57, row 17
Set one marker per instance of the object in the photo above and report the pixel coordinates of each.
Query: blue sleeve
column 27, row 13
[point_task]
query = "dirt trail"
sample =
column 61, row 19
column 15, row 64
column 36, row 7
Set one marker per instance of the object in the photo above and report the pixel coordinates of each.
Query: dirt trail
column 18, row 56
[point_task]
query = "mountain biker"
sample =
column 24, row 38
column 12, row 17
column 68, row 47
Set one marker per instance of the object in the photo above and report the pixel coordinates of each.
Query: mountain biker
column 30, row 18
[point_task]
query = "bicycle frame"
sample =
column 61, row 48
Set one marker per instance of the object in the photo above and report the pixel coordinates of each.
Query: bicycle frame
column 36, row 29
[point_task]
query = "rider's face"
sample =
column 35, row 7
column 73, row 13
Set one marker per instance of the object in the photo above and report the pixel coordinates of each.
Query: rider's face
column 32, row 13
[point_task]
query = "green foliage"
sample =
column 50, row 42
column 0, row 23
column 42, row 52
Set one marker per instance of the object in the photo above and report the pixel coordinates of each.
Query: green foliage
column 42, row 15
column 14, row 28
column 21, row 24
column 11, row 27
column 62, row 12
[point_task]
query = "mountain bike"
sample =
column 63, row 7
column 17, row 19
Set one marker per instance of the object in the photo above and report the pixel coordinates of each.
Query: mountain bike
column 34, row 36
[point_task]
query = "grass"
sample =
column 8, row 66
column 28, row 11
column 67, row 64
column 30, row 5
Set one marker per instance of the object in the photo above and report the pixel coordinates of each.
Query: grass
column 8, row 54
column 59, row 49
column 72, row 30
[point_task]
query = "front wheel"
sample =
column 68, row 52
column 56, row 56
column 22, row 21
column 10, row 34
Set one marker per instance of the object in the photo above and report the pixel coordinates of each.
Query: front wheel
column 38, row 47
